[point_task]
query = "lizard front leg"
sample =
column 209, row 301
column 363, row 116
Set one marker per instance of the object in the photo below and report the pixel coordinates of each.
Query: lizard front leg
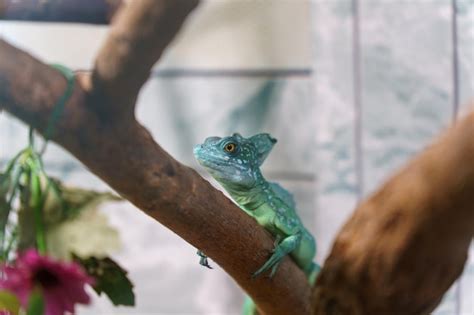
column 284, row 248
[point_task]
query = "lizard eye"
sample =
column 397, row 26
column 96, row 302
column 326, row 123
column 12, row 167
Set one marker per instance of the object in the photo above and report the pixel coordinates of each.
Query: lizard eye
column 230, row 147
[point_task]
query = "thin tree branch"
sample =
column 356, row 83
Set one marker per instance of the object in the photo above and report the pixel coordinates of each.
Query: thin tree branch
column 143, row 30
column 71, row 11
column 406, row 244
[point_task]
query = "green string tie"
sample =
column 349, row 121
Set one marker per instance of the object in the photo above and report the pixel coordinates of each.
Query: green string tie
column 59, row 106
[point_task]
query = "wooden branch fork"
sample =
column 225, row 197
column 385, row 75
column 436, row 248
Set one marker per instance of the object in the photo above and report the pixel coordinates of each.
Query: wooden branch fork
column 398, row 254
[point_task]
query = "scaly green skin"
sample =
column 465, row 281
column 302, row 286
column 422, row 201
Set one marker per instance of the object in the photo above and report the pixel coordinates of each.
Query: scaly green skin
column 235, row 163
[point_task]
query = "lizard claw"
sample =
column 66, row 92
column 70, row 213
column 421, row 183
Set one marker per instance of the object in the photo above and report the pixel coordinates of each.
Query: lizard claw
column 276, row 242
column 272, row 263
column 274, row 269
column 203, row 260
column 284, row 248
column 205, row 263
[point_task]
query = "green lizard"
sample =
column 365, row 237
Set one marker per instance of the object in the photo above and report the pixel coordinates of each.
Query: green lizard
column 235, row 163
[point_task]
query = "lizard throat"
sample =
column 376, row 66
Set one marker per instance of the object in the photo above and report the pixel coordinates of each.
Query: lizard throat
column 250, row 198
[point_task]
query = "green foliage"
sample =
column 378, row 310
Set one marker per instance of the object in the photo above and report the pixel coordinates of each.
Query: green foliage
column 74, row 224
column 36, row 204
column 26, row 177
column 35, row 304
column 65, row 203
column 4, row 205
column 58, row 221
column 52, row 214
column 111, row 279
column 25, row 180
column 9, row 302
column 88, row 234
column 21, row 179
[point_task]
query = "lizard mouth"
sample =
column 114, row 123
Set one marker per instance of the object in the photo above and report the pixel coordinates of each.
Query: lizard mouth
column 213, row 164
column 207, row 159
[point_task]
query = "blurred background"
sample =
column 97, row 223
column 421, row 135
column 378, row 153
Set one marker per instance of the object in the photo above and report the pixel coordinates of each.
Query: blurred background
column 351, row 93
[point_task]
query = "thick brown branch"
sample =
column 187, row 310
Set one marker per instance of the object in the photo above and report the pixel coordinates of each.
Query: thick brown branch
column 125, row 156
column 138, row 37
column 404, row 246
column 75, row 11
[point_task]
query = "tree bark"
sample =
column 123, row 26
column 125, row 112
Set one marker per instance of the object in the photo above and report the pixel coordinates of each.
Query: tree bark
column 71, row 11
column 405, row 245
column 132, row 48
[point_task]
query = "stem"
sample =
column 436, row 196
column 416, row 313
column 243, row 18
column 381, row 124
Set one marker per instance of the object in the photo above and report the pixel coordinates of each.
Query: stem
column 14, row 188
column 12, row 162
column 12, row 240
column 14, row 191
column 36, row 203
column 31, row 139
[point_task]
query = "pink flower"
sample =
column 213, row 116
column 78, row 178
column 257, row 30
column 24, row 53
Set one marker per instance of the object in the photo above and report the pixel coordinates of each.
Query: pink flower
column 62, row 284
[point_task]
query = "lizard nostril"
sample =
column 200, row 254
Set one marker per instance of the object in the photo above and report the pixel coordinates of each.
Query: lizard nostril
column 197, row 148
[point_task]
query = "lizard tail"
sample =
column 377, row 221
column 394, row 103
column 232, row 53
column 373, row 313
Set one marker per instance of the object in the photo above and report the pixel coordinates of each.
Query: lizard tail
column 313, row 273
column 249, row 307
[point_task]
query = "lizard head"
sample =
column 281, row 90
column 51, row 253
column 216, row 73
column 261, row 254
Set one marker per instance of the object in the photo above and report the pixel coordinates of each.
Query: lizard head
column 234, row 160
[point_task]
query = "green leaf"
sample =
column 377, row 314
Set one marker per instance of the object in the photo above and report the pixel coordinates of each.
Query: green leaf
column 9, row 302
column 4, row 184
column 66, row 203
column 111, row 279
column 87, row 235
column 26, row 217
column 4, row 205
column 4, row 212
column 74, row 224
column 35, row 304
column 78, row 199
column 36, row 203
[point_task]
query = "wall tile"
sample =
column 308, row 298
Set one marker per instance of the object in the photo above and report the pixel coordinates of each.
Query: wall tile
column 260, row 31
column 467, row 285
column 406, row 94
column 406, row 99
column 182, row 112
column 465, row 17
column 334, row 119
column 14, row 137
column 407, row 90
